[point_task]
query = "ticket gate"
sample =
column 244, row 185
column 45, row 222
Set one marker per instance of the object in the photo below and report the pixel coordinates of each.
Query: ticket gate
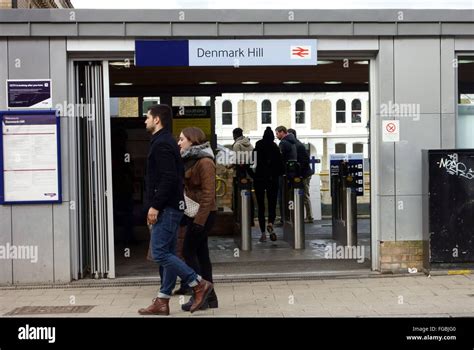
column 242, row 206
column 292, row 190
column 344, row 204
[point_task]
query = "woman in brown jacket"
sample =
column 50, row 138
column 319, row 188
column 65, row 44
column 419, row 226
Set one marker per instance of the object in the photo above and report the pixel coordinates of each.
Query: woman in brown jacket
column 200, row 186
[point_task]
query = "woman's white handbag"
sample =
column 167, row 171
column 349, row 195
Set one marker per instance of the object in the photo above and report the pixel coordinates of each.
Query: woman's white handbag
column 192, row 207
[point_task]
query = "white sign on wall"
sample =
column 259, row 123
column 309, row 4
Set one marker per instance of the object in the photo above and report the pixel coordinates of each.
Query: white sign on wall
column 390, row 130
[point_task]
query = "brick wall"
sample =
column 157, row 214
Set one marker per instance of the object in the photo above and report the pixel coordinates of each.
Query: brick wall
column 247, row 111
column 128, row 107
column 5, row 4
column 284, row 113
column 399, row 256
column 321, row 115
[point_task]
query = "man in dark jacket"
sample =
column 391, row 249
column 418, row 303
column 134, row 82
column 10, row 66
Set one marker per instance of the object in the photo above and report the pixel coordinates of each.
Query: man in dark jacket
column 165, row 202
column 306, row 172
column 288, row 151
column 287, row 144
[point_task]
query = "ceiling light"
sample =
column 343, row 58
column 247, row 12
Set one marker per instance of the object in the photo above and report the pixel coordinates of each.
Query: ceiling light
column 250, row 82
column 207, row 82
column 126, row 64
column 291, row 82
column 361, row 62
column 465, row 61
column 333, row 82
column 123, row 84
column 325, row 62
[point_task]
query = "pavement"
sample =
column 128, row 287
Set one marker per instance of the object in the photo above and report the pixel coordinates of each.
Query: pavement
column 379, row 296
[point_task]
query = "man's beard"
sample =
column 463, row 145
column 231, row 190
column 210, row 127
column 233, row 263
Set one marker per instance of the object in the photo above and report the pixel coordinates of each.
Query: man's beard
column 151, row 130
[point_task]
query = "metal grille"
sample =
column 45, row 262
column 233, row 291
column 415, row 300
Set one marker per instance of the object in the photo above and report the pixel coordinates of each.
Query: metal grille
column 41, row 310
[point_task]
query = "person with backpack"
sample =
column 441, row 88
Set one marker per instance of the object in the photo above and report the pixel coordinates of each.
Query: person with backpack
column 306, row 173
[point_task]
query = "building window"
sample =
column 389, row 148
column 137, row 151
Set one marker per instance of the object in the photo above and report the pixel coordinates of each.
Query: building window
column 300, row 112
column 340, row 148
column 358, row 148
column 356, row 111
column 340, row 111
column 226, row 113
column 266, row 112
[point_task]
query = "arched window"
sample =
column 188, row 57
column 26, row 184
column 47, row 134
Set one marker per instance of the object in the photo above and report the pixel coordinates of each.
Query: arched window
column 340, row 148
column 357, row 148
column 340, row 111
column 356, row 111
column 300, row 112
column 266, row 112
column 226, row 113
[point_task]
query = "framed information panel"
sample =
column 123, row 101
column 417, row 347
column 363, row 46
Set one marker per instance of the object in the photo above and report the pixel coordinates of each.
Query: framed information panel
column 30, row 157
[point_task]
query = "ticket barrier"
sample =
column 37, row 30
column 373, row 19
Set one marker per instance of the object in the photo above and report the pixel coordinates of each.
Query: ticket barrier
column 344, row 205
column 293, row 206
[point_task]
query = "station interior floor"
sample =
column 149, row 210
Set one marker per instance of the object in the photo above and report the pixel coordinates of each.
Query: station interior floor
column 265, row 259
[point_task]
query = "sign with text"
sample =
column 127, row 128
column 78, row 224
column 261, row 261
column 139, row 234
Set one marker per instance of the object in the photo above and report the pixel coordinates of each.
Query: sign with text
column 271, row 52
column 197, row 116
column 30, row 157
column 32, row 93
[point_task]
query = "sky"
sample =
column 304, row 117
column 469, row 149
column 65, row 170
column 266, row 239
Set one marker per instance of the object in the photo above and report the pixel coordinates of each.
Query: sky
column 275, row 4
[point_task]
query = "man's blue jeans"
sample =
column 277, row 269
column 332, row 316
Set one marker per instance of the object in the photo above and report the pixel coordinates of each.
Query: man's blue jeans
column 164, row 235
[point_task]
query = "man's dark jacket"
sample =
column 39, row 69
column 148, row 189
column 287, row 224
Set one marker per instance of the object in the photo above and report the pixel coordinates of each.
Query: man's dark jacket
column 165, row 173
column 303, row 159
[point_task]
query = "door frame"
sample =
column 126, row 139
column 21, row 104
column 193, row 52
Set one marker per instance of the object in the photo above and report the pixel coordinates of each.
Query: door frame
column 76, row 243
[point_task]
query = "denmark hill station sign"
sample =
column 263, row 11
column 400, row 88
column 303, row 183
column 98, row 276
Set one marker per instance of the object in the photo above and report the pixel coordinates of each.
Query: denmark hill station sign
column 184, row 53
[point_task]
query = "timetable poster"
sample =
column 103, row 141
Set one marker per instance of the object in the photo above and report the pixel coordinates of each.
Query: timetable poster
column 30, row 154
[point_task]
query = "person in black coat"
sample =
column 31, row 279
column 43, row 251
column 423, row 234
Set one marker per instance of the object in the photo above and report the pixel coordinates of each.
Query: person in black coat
column 267, row 172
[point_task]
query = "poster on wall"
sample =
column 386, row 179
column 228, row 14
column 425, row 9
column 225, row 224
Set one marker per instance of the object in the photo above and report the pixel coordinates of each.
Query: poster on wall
column 32, row 93
column 198, row 116
column 30, row 157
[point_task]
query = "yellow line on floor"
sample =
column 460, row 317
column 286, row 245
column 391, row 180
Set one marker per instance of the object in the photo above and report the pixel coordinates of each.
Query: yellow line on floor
column 459, row 272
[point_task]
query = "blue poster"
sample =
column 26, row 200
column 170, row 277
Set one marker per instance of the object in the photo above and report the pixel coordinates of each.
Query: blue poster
column 29, row 93
column 30, row 157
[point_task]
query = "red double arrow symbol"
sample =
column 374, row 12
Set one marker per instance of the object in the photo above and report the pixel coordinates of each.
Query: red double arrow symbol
column 299, row 51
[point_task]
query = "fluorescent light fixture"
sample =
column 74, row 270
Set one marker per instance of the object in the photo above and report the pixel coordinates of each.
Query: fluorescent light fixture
column 121, row 63
column 250, row 82
column 123, row 84
column 291, row 82
column 465, row 61
column 332, row 82
column 361, row 62
column 325, row 62
column 208, row 82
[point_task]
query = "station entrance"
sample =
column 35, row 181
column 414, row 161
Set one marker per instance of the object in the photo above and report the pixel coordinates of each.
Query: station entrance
column 327, row 105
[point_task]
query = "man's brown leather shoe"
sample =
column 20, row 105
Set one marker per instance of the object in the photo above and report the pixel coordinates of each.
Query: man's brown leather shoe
column 201, row 291
column 160, row 306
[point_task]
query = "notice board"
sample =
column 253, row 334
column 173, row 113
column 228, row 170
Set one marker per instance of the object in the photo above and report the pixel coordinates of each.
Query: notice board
column 30, row 157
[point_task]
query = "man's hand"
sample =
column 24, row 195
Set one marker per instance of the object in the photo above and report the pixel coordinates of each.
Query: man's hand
column 152, row 216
